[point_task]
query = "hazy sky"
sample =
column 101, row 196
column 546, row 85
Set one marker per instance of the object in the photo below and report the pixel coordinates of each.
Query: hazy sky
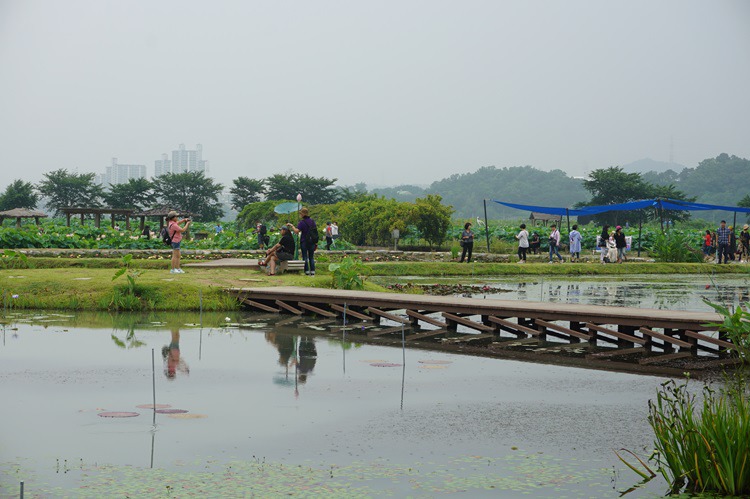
column 383, row 92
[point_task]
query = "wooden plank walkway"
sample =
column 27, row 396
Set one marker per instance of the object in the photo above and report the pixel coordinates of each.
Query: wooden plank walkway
column 681, row 331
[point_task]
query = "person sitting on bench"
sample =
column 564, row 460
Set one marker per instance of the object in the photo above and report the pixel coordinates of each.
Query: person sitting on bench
column 279, row 252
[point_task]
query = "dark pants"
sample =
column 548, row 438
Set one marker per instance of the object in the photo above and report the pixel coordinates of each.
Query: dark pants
column 468, row 247
column 553, row 251
column 329, row 240
column 308, row 255
column 723, row 251
column 522, row 253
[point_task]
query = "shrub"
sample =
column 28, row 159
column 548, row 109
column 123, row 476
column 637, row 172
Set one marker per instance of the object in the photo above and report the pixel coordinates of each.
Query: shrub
column 348, row 273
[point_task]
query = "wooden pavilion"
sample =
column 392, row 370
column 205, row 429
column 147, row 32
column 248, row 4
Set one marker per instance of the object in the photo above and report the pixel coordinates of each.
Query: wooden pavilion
column 98, row 212
column 543, row 218
column 161, row 213
column 19, row 213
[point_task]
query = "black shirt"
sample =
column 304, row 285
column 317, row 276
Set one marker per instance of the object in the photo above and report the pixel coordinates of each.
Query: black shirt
column 287, row 243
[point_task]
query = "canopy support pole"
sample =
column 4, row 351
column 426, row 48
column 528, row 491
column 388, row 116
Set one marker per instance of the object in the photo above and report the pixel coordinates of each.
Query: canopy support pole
column 640, row 227
column 567, row 214
column 486, row 226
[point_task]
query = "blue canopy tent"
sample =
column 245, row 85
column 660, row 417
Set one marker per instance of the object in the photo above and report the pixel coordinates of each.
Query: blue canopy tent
column 660, row 204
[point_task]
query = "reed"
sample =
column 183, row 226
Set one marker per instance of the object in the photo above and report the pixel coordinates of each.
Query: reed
column 704, row 450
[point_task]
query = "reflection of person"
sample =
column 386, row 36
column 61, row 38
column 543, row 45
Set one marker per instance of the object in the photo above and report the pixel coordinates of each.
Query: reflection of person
column 467, row 241
column 306, row 227
column 171, row 355
column 574, row 238
column 308, row 355
column 279, row 252
column 523, row 243
column 176, row 230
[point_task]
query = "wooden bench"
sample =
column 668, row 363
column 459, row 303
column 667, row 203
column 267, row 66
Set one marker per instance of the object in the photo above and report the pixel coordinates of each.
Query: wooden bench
column 288, row 266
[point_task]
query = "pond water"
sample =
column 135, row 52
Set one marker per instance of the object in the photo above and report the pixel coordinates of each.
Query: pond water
column 680, row 292
column 275, row 409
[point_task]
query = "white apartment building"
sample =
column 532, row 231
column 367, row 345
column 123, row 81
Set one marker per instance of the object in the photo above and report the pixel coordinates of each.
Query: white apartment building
column 120, row 174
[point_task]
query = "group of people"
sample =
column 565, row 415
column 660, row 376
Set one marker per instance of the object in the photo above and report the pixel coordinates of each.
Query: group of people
column 284, row 249
column 723, row 244
column 612, row 245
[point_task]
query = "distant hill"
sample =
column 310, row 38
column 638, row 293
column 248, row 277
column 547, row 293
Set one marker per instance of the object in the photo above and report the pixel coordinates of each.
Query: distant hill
column 650, row 165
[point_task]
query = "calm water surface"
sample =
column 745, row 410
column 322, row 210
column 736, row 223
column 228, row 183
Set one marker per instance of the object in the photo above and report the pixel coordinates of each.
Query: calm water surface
column 274, row 411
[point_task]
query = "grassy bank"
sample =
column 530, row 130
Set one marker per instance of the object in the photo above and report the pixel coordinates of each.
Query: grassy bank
column 86, row 283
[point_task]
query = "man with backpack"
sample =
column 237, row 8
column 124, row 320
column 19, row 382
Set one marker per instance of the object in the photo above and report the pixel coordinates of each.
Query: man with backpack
column 308, row 240
column 261, row 231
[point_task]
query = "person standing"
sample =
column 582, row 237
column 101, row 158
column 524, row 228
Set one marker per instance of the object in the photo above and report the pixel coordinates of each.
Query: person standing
column 554, row 242
column 744, row 243
column 620, row 243
column 334, row 232
column 329, row 236
column 707, row 244
column 523, row 243
column 467, row 241
column 175, row 231
column 732, row 243
column 306, row 228
column 602, row 244
column 575, row 239
column 722, row 242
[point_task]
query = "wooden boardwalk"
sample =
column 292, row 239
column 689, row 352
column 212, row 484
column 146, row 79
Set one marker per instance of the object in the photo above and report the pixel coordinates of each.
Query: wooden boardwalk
column 478, row 321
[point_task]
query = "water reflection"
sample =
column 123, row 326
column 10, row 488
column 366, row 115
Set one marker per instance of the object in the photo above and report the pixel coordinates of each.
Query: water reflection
column 173, row 361
column 680, row 292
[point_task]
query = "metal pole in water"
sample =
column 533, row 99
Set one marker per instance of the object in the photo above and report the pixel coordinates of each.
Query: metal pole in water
column 153, row 383
column 403, row 365
column 541, row 290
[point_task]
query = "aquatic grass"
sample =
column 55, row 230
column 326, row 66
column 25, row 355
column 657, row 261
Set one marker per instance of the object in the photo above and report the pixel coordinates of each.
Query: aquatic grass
column 704, row 451
column 736, row 325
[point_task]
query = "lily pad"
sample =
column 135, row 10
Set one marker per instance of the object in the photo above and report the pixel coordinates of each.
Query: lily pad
column 436, row 362
column 171, row 411
column 385, row 364
column 115, row 414
column 187, row 416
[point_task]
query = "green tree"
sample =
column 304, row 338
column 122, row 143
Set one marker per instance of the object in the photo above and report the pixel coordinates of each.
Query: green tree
column 614, row 186
column 245, row 191
column 745, row 203
column 192, row 192
column 314, row 190
column 64, row 190
column 433, row 219
column 19, row 194
column 137, row 193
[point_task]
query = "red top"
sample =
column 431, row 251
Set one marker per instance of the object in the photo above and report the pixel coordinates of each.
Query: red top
column 174, row 229
column 708, row 239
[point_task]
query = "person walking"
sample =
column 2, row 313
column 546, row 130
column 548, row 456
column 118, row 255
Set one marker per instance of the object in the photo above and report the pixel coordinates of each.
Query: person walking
column 722, row 242
column 523, row 243
column 602, row 244
column 554, row 242
column 620, row 243
column 329, row 236
column 467, row 241
column 175, row 231
column 575, row 239
column 308, row 239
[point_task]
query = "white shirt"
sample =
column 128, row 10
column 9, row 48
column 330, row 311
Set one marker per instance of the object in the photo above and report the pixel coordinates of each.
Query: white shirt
column 523, row 239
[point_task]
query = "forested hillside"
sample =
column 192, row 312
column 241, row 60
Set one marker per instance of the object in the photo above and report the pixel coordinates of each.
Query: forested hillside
column 724, row 180
column 518, row 184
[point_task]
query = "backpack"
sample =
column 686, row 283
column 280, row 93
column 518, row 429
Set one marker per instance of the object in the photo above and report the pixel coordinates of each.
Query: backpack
column 313, row 234
column 165, row 236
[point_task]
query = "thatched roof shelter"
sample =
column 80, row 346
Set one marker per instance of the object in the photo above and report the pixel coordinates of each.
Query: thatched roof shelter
column 19, row 213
